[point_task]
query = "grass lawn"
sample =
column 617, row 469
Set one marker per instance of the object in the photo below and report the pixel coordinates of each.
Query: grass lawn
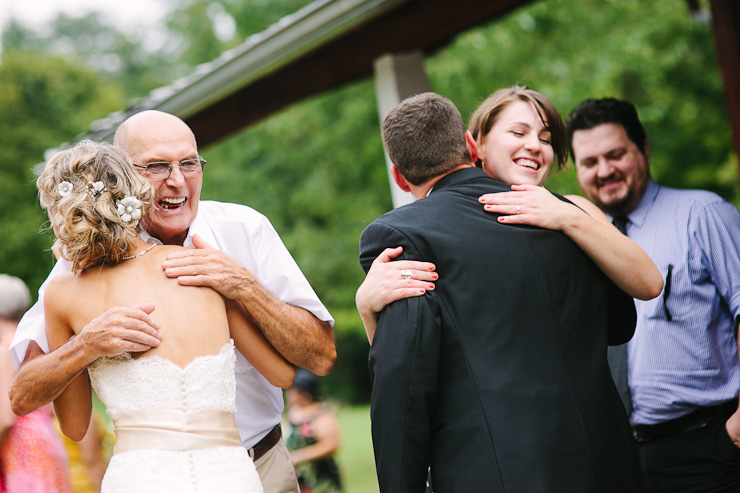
column 356, row 455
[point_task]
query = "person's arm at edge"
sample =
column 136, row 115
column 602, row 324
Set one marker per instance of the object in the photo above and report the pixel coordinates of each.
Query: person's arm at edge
column 716, row 231
column 256, row 349
column 732, row 426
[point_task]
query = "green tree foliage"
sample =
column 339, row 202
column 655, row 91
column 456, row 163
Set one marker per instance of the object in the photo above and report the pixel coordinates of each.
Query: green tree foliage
column 196, row 27
column 123, row 60
column 254, row 16
column 44, row 101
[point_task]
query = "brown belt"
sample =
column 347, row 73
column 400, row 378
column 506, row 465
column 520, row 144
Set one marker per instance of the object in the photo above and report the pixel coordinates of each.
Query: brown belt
column 264, row 445
column 693, row 421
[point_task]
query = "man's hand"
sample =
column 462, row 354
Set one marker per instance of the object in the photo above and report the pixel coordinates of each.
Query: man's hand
column 119, row 330
column 42, row 378
column 733, row 428
column 206, row 266
column 294, row 332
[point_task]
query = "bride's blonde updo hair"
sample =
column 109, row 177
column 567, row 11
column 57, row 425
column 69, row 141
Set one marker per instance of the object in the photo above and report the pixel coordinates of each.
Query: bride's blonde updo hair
column 86, row 220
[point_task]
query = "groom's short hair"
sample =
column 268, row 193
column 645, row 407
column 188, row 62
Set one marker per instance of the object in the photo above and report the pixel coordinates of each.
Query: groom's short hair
column 425, row 137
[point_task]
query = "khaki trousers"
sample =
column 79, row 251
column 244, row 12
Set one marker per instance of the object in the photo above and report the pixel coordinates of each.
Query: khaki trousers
column 276, row 470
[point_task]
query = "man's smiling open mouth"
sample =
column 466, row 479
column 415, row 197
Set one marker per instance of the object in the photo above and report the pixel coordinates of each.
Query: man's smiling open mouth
column 172, row 203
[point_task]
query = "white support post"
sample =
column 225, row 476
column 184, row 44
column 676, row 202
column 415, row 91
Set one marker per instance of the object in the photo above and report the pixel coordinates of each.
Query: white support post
column 398, row 76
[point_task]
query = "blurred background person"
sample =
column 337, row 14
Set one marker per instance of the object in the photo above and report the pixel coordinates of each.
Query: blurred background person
column 88, row 458
column 32, row 457
column 313, row 436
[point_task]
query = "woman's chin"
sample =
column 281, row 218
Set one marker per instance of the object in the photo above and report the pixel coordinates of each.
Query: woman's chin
column 530, row 179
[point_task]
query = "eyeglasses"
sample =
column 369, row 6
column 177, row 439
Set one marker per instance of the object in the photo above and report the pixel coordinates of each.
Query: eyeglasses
column 161, row 170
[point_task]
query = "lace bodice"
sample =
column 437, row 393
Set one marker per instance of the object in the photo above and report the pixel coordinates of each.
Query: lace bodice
column 127, row 385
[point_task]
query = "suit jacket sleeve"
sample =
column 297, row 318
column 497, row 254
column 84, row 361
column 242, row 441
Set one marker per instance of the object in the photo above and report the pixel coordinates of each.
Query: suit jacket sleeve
column 404, row 362
column 622, row 315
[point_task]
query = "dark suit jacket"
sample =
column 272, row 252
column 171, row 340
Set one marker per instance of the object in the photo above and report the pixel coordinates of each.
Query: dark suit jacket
column 498, row 377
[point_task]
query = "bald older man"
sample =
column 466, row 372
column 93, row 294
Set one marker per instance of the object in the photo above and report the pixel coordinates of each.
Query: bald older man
column 236, row 251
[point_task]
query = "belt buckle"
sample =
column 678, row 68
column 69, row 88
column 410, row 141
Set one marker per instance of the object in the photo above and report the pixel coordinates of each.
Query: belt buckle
column 640, row 437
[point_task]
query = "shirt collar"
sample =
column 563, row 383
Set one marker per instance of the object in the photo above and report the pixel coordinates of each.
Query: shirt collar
column 460, row 175
column 144, row 235
column 198, row 227
column 639, row 213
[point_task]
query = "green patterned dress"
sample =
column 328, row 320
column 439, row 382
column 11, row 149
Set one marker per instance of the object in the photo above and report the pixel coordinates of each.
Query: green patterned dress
column 318, row 476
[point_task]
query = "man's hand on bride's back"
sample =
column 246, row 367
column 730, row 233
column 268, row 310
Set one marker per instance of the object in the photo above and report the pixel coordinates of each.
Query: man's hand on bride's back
column 120, row 329
column 207, row 266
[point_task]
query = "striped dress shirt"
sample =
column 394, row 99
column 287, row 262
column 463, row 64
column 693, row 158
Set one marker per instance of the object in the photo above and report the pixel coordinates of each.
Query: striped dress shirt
column 684, row 353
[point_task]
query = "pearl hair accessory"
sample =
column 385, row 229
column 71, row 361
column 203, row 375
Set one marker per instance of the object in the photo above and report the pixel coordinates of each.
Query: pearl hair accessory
column 64, row 188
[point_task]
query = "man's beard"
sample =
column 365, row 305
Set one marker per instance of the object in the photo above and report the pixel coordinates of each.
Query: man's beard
column 625, row 205
column 620, row 207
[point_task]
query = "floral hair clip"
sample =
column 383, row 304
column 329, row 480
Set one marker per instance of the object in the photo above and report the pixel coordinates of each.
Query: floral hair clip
column 129, row 208
column 95, row 189
column 65, row 188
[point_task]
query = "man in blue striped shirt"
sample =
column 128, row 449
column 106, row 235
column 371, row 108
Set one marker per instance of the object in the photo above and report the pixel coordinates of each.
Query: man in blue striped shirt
column 682, row 363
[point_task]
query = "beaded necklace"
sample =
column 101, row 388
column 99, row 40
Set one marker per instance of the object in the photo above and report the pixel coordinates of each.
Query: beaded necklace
column 129, row 257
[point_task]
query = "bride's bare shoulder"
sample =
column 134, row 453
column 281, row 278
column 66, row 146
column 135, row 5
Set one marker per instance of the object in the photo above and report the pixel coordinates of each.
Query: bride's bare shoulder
column 60, row 282
column 60, row 289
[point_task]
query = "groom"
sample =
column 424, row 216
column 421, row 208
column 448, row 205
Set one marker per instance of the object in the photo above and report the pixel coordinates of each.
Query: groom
column 498, row 378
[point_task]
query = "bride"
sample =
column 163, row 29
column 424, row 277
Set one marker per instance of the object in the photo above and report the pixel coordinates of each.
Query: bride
column 172, row 405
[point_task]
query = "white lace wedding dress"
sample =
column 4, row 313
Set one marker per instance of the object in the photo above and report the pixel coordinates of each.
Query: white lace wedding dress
column 175, row 429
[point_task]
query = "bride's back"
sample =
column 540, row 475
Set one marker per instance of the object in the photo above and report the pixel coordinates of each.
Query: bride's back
column 193, row 319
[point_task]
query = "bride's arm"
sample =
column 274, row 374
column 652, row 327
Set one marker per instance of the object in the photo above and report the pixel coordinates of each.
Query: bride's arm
column 73, row 407
column 620, row 258
column 258, row 351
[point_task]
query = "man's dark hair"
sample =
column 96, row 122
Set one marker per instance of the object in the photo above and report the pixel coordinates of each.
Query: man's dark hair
column 425, row 137
column 594, row 112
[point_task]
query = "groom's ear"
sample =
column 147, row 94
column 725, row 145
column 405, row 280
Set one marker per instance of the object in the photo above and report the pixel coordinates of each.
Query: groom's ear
column 472, row 146
column 400, row 180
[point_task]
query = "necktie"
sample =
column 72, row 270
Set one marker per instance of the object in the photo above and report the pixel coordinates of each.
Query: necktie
column 621, row 223
column 617, row 355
